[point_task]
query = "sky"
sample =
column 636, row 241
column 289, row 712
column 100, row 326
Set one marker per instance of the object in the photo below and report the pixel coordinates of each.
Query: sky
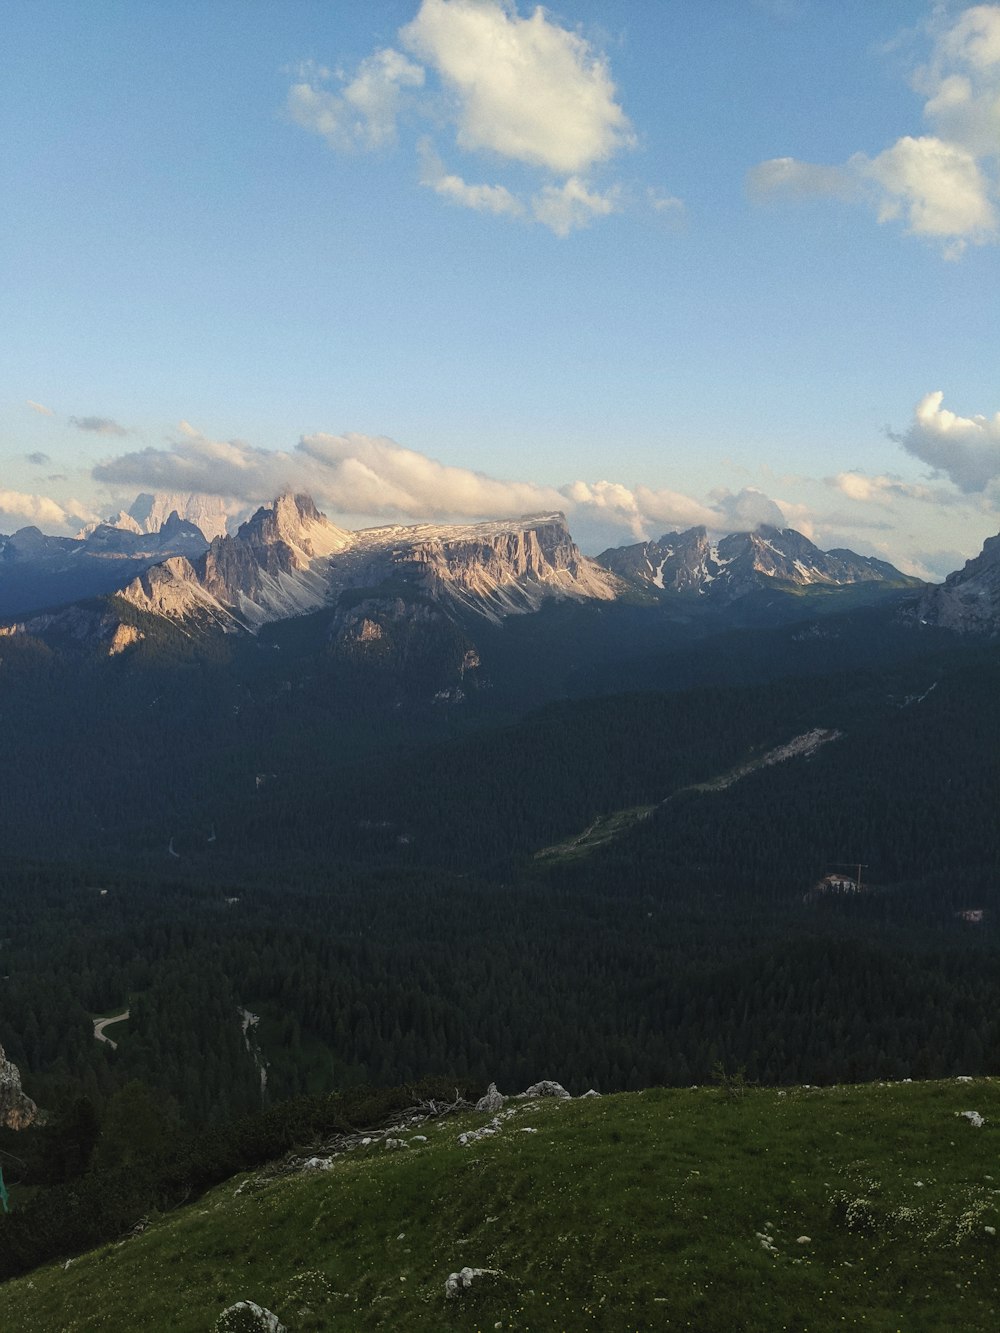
column 654, row 263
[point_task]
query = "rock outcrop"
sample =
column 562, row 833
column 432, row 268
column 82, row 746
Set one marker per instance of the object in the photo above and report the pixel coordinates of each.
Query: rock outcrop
column 492, row 1101
column 248, row 1317
column 16, row 1110
column 969, row 599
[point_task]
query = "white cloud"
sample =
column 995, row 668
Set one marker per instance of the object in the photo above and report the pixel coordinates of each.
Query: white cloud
column 524, row 88
column 480, row 198
column 365, row 474
column 670, row 509
column 975, row 38
column 938, row 187
column 565, row 208
column 943, row 185
column 884, row 490
column 364, row 113
column 40, row 408
column 746, row 510
column 966, row 449
column 522, row 92
column 18, row 509
column 372, row 478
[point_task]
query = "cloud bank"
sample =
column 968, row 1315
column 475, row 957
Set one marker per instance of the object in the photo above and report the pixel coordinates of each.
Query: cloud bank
column 943, row 185
column 374, row 479
column 18, row 509
column 510, row 91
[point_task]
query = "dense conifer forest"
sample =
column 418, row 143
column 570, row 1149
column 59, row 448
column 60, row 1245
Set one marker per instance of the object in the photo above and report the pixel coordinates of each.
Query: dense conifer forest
column 399, row 889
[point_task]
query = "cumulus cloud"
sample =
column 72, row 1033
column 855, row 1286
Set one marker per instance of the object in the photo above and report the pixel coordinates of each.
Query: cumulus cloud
column 98, row 425
column 39, row 459
column 480, row 198
column 564, row 208
column 19, row 509
column 40, row 408
column 526, row 89
column 372, row 477
column 363, row 474
column 747, row 510
column 519, row 92
column 884, row 489
column 943, row 185
column 966, row 449
column 363, row 114
column 938, row 187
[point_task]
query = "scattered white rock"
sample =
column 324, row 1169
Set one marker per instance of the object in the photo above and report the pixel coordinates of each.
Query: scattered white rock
column 547, row 1088
column 419, row 1138
column 973, row 1117
column 395, row 1143
column 248, row 1315
column 527, row 1129
column 590, row 1093
column 492, row 1101
column 803, row 1240
column 317, row 1164
column 458, row 1283
column 963, row 1078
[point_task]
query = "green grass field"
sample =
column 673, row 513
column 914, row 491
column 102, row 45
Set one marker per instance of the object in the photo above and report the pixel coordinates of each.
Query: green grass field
column 872, row 1207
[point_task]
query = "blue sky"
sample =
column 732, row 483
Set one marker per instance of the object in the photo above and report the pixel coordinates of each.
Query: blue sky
column 654, row 263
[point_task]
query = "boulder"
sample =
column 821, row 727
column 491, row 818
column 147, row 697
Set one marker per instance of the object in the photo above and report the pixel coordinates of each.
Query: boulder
column 458, row 1283
column 547, row 1088
column 248, row 1317
column 492, row 1102
column 973, row 1117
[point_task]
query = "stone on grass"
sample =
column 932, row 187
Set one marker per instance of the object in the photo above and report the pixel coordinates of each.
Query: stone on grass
column 547, row 1088
column 248, row 1317
column 973, row 1117
column 590, row 1093
column 317, row 1164
column 492, row 1101
column 458, row 1283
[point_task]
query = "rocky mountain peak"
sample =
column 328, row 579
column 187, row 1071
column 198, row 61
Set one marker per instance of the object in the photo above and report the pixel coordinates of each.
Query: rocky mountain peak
column 743, row 562
column 294, row 521
column 969, row 599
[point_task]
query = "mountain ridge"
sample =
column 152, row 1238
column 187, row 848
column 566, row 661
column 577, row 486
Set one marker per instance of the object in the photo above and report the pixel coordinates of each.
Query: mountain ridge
column 739, row 563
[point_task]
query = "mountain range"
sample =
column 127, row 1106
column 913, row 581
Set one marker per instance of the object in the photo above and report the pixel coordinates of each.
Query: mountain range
column 287, row 560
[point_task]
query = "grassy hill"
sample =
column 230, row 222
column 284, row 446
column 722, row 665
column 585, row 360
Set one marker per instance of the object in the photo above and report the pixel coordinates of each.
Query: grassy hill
column 721, row 1208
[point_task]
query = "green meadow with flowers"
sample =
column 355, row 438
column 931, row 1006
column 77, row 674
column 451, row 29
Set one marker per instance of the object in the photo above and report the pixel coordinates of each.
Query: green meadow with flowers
column 723, row 1208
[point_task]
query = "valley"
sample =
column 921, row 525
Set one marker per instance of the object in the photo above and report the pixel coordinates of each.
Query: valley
column 350, row 848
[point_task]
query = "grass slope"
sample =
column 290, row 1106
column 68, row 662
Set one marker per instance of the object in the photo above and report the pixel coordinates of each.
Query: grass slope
column 668, row 1209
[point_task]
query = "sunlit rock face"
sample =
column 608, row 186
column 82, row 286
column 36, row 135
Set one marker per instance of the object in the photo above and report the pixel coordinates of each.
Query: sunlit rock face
column 969, row 599
column 288, row 559
column 16, row 1110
